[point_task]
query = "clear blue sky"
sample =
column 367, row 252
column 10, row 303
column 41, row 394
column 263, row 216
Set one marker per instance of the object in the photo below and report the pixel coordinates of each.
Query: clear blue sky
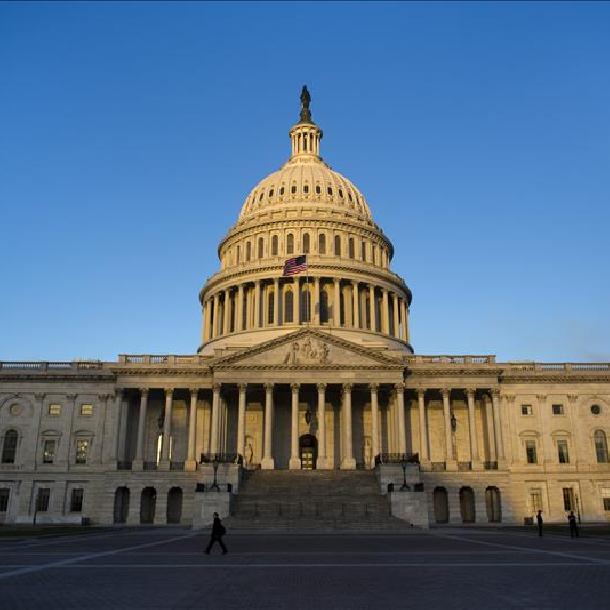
column 130, row 134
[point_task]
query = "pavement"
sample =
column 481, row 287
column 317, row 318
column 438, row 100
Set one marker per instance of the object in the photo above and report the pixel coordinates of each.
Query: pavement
column 443, row 568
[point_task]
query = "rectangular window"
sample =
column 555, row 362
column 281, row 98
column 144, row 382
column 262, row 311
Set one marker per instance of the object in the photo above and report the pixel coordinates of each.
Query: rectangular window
column 606, row 503
column 86, row 409
column 54, row 409
column 48, row 452
column 76, row 500
column 536, row 500
column 5, row 494
column 568, row 498
column 526, row 409
column 82, row 449
column 530, row 452
column 557, row 409
column 562, row 452
column 42, row 499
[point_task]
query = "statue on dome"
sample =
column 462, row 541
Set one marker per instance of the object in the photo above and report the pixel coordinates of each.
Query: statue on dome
column 305, row 100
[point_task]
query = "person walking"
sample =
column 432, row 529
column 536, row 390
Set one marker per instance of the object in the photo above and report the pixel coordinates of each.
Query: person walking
column 573, row 525
column 218, row 531
column 540, row 522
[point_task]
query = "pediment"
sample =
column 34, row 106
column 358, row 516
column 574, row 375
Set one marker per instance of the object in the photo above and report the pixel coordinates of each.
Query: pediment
column 307, row 348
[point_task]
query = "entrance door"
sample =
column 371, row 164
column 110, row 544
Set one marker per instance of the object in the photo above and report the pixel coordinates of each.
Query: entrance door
column 308, row 449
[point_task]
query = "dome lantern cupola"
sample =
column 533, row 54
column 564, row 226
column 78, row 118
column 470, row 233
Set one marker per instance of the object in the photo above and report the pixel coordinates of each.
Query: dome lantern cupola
column 305, row 135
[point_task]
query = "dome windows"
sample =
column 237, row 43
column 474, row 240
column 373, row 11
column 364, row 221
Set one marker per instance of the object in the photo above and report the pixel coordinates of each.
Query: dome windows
column 329, row 190
column 305, row 189
column 351, row 248
column 305, row 243
column 293, row 189
column 337, row 245
column 289, row 243
column 260, row 247
column 281, row 190
column 274, row 244
column 340, row 194
column 322, row 243
column 248, row 251
column 271, row 191
column 260, row 197
column 318, row 189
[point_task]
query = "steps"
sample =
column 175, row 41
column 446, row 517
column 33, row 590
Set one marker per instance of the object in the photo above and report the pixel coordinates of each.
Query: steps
column 321, row 500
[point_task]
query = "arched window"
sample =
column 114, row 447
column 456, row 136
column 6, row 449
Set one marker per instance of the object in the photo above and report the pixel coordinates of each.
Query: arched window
column 351, row 252
column 323, row 307
column 9, row 448
column 363, row 250
column 270, row 307
column 305, row 243
column 337, row 245
column 601, row 447
column 322, row 243
column 493, row 504
column 305, row 306
column 467, row 505
column 288, row 306
column 274, row 245
column 260, row 247
column 441, row 505
column 289, row 243
column 248, row 251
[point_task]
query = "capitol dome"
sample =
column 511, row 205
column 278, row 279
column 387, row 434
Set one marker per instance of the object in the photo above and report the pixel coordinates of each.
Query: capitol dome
column 305, row 209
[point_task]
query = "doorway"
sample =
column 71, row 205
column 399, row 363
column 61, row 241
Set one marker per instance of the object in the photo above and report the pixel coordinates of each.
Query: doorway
column 308, row 451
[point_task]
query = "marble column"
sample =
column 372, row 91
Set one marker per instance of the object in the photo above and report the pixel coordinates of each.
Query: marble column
column 322, row 462
column 385, row 313
column 215, row 419
column 139, row 458
column 191, row 459
column 257, row 304
column 276, row 301
column 268, row 461
column 226, row 313
column 239, row 324
column 424, row 453
column 374, row 387
column 400, row 407
column 337, row 302
column 347, row 462
column 405, row 320
column 356, row 299
column 316, row 301
column 206, row 321
column 495, row 399
column 167, row 430
column 241, row 418
column 215, row 320
column 372, row 307
column 450, row 461
column 396, row 316
column 472, row 428
column 295, row 460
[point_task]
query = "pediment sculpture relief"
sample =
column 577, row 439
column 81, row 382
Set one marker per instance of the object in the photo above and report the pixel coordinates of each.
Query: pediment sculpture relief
column 305, row 352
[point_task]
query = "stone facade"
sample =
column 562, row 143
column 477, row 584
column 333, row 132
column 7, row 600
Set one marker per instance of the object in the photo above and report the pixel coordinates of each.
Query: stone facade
column 311, row 370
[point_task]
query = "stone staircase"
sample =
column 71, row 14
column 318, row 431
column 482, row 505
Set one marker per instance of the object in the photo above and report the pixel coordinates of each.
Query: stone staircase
column 321, row 500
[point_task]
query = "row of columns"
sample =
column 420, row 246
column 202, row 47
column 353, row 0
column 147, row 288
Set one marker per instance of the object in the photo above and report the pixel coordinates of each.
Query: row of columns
column 222, row 306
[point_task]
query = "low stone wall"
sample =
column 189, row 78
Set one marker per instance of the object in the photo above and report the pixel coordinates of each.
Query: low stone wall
column 206, row 504
column 410, row 506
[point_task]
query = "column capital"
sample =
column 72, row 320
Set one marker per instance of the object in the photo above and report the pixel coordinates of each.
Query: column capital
column 71, row 396
column 347, row 387
column 321, row 387
column 295, row 386
column 540, row 397
column 511, row 398
column 572, row 398
column 104, row 397
column 39, row 395
column 194, row 391
column 399, row 387
column 216, row 386
column 445, row 392
column 143, row 391
column 374, row 387
column 242, row 387
column 168, row 392
column 495, row 392
column 469, row 392
column 269, row 386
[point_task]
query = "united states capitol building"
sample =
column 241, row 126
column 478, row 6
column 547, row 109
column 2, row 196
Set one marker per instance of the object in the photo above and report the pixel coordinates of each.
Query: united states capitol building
column 305, row 398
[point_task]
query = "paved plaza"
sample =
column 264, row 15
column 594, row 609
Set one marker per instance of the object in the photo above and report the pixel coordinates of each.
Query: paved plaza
column 166, row 568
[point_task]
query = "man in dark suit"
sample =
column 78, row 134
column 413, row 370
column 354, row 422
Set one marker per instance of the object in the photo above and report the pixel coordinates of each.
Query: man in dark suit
column 539, row 519
column 218, row 531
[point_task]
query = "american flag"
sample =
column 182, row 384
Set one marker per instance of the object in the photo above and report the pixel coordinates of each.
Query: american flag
column 296, row 265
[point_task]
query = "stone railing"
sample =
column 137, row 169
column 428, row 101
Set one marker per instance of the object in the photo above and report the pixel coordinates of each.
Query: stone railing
column 77, row 365
column 558, row 367
column 417, row 359
column 161, row 359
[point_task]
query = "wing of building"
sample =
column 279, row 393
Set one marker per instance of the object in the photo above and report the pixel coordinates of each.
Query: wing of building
column 304, row 364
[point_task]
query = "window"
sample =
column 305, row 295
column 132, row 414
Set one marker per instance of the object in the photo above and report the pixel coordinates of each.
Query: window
column 562, row 451
column 568, row 498
column 54, row 409
column 337, row 245
column 9, row 447
column 5, row 494
column 323, row 307
column 557, row 409
column 86, row 409
column 271, row 192
column 281, row 190
column 48, row 451
column 322, row 243
column 76, row 500
column 596, row 409
column 305, row 305
column 526, row 410
column 293, row 190
column 260, row 198
column 82, row 449
column 260, row 247
column 42, row 499
column 248, row 251
column 288, row 305
column 329, row 190
column 289, row 243
column 351, row 252
column 305, row 243
column 606, row 504
column 363, row 251
column 318, row 189
column 530, row 451
column 536, row 500
column 274, row 245
column 341, row 193
column 270, row 307
column 305, row 189
column 601, row 447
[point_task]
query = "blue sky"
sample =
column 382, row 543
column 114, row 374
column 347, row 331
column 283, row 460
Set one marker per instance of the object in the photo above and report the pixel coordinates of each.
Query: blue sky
column 131, row 133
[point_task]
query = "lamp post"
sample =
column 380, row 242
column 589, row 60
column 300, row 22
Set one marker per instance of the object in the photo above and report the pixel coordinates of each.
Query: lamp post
column 578, row 508
column 453, row 429
column 215, row 467
column 403, row 463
